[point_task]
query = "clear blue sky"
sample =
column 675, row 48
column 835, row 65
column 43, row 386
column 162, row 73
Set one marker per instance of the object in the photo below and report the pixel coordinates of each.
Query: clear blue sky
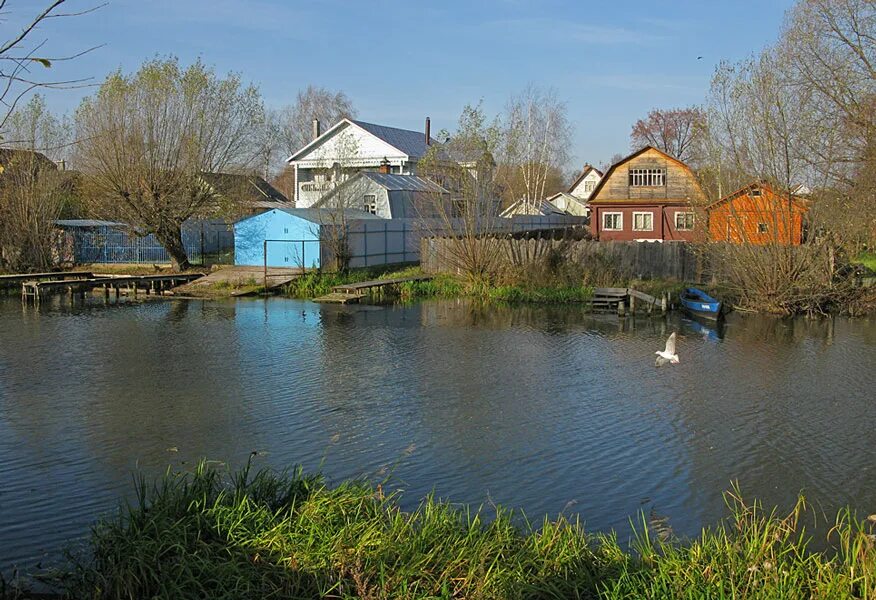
column 399, row 62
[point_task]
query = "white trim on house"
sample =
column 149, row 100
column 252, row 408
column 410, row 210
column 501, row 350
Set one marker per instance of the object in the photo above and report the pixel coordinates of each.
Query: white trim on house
column 648, row 214
column 692, row 223
column 620, row 216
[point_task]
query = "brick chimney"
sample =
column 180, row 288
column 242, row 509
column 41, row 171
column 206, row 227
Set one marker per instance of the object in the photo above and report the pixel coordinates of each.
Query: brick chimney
column 428, row 132
column 315, row 128
column 384, row 166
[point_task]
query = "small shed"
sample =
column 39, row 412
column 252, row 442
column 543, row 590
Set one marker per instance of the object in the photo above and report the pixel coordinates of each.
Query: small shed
column 387, row 195
column 292, row 236
column 758, row 214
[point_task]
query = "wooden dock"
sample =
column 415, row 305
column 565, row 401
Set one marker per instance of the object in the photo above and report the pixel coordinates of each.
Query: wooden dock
column 35, row 290
column 625, row 300
column 12, row 281
column 354, row 292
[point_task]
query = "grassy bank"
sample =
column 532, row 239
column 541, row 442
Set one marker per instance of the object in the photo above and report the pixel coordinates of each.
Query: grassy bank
column 266, row 535
column 316, row 284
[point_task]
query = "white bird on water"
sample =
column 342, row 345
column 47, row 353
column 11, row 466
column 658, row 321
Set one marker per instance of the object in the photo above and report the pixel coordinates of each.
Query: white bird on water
column 668, row 354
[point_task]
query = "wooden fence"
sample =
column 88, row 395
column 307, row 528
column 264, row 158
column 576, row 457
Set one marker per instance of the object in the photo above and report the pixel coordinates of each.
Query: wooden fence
column 642, row 260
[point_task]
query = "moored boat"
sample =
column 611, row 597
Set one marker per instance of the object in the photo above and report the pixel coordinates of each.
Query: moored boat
column 699, row 303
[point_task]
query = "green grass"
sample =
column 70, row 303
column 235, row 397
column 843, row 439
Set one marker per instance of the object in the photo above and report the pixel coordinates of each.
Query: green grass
column 207, row 534
column 868, row 259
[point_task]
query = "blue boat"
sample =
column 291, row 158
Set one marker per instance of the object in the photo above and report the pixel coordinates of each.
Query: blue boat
column 700, row 304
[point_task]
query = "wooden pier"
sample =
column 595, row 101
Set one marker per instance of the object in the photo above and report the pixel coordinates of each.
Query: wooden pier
column 11, row 281
column 37, row 289
column 625, row 300
column 354, row 292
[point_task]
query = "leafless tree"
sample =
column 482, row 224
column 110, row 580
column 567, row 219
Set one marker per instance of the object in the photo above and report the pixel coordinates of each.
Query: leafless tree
column 465, row 166
column 33, row 192
column 295, row 122
column 146, row 138
column 673, row 131
column 22, row 58
column 535, row 143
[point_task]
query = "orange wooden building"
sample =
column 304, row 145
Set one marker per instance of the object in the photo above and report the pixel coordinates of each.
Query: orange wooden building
column 757, row 214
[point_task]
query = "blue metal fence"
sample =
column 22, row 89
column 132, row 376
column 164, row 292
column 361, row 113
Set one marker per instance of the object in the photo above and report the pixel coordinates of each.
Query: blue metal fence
column 113, row 243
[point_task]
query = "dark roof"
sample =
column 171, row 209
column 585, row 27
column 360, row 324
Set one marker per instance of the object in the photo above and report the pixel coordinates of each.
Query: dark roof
column 249, row 188
column 584, row 172
column 412, row 143
column 87, row 223
column 8, row 155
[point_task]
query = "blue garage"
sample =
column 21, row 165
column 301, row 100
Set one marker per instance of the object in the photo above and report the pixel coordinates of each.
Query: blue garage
column 292, row 234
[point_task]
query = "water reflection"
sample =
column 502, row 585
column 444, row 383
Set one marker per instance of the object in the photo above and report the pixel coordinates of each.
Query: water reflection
column 546, row 408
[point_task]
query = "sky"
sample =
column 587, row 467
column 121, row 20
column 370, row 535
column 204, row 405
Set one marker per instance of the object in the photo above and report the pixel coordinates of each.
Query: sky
column 399, row 62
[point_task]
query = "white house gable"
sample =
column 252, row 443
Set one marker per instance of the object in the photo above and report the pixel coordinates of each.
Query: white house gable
column 348, row 145
column 584, row 186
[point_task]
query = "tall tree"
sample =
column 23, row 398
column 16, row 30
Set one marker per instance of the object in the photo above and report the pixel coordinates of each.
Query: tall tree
column 146, row 138
column 296, row 121
column 673, row 131
column 536, row 139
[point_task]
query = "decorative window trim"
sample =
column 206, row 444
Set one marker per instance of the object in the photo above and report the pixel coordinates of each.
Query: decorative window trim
column 682, row 226
column 620, row 221
column 643, row 213
column 653, row 177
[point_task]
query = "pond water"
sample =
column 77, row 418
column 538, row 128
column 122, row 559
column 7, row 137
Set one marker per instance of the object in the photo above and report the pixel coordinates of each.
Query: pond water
column 548, row 409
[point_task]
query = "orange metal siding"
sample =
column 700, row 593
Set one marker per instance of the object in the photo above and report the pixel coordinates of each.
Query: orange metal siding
column 765, row 219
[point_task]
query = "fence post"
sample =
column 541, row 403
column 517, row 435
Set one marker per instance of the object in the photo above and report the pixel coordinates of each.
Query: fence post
column 265, row 256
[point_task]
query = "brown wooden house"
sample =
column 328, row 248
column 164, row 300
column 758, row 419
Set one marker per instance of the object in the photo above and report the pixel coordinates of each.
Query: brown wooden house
column 647, row 196
column 757, row 214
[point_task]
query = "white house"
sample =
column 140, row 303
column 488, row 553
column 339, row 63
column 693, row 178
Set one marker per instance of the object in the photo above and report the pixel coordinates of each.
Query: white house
column 351, row 146
column 586, row 182
column 389, row 195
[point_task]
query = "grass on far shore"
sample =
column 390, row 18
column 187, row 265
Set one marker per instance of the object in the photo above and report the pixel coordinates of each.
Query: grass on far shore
column 315, row 284
column 208, row 534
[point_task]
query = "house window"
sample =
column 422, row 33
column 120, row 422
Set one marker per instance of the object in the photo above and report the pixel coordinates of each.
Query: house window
column 647, row 177
column 589, row 185
column 370, row 202
column 684, row 221
column 613, row 221
column 762, row 228
column 643, row 221
column 755, row 193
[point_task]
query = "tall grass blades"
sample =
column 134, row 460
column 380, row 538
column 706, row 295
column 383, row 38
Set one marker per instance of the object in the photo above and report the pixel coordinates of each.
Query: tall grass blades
column 206, row 534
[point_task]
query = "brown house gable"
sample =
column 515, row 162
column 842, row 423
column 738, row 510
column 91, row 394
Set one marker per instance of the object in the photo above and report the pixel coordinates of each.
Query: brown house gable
column 681, row 185
column 757, row 214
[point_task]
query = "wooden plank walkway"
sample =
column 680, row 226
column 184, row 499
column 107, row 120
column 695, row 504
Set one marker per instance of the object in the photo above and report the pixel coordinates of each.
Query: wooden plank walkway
column 621, row 299
column 14, row 280
column 35, row 290
column 349, row 293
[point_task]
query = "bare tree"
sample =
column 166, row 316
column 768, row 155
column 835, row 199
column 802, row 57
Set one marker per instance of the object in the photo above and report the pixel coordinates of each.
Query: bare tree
column 147, row 137
column 296, row 121
column 21, row 59
column 673, row 131
column 535, row 144
column 33, row 192
column 465, row 166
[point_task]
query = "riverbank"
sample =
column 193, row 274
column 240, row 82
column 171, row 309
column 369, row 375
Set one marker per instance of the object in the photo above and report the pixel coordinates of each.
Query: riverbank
column 209, row 534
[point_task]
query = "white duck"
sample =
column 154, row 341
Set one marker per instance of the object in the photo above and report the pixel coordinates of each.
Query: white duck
column 668, row 354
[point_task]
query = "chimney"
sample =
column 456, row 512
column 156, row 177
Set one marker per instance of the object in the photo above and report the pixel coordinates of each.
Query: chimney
column 384, row 166
column 315, row 128
column 428, row 132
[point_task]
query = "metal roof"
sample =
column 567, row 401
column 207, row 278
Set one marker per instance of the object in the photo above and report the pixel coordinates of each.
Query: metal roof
column 412, row 143
column 403, row 183
column 321, row 215
column 87, row 223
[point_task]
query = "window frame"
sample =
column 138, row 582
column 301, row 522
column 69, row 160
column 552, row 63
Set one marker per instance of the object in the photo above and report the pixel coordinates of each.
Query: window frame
column 763, row 228
column 647, row 177
column 589, row 186
column 620, row 216
column 684, row 213
column 643, row 213
column 369, row 206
